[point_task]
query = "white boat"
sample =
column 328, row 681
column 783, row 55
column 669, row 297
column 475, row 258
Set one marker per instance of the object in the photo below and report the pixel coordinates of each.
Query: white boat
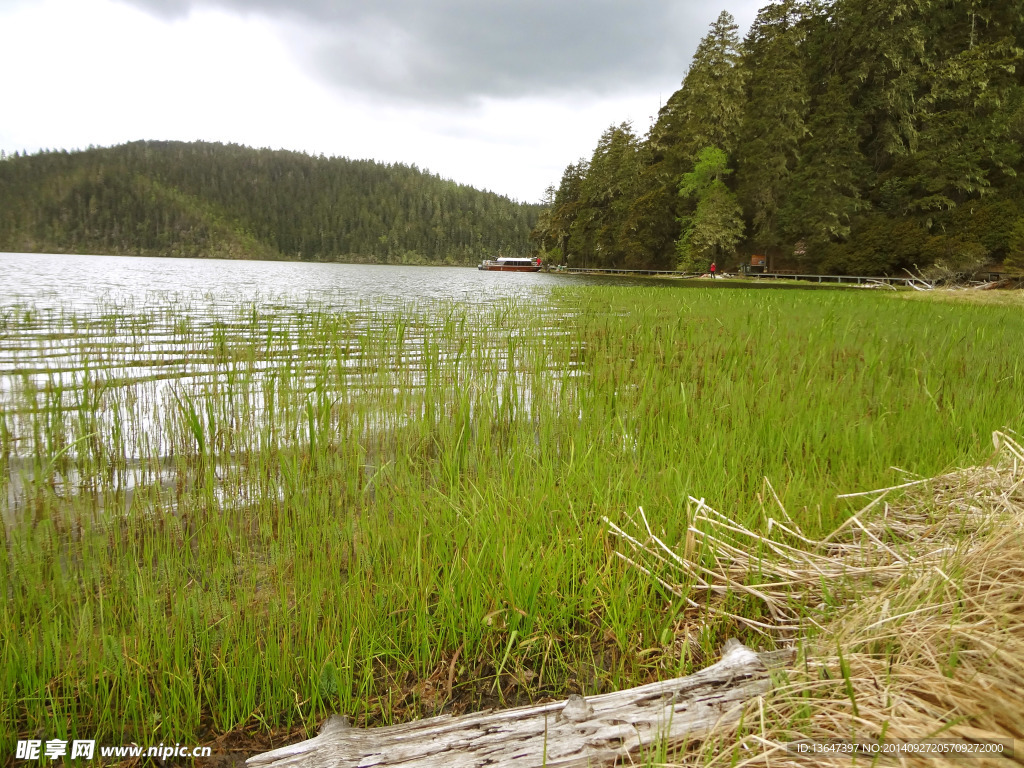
column 510, row 264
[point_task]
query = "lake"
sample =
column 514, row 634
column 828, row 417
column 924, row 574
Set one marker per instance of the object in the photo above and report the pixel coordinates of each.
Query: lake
column 144, row 324
column 124, row 354
column 71, row 279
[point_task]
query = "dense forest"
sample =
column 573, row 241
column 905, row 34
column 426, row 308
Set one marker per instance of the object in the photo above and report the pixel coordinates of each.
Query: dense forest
column 854, row 136
column 215, row 200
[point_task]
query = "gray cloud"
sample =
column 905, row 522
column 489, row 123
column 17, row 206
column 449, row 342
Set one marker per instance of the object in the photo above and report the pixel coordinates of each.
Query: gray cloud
column 458, row 51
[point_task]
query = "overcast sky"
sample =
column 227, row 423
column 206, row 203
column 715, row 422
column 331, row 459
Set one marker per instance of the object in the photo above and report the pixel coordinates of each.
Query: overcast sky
column 500, row 94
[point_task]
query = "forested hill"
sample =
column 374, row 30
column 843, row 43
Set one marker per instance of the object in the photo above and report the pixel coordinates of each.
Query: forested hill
column 215, row 200
column 845, row 136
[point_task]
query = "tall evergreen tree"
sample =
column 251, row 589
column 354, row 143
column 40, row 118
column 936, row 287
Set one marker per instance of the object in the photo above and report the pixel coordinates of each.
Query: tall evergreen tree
column 605, row 196
column 716, row 225
column 566, row 208
column 823, row 194
column 705, row 111
column 774, row 116
column 543, row 234
column 966, row 111
column 881, row 56
column 708, row 109
column 650, row 228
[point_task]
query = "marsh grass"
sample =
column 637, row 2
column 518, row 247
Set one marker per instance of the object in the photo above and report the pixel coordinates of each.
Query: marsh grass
column 242, row 520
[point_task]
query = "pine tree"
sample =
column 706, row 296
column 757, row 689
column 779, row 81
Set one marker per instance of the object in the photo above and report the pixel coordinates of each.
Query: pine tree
column 867, row 135
column 881, row 59
column 774, row 116
column 708, row 109
column 824, row 194
column 966, row 110
column 565, row 209
column 650, row 228
column 705, row 111
column 605, row 195
column 543, row 234
column 716, row 224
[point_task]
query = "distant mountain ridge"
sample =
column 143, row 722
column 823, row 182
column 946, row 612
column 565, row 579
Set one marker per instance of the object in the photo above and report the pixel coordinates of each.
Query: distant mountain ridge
column 199, row 199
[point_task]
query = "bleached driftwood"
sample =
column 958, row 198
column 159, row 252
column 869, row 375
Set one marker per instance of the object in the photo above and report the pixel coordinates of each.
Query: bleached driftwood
column 576, row 732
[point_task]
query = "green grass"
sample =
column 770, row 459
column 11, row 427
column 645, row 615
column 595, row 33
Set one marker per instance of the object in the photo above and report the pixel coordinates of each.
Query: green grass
column 252, row 517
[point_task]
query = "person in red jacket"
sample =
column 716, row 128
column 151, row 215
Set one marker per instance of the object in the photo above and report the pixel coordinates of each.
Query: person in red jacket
column 713, row 270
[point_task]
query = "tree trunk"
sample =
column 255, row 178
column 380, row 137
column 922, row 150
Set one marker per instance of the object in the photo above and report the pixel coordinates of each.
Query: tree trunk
column 578, row 732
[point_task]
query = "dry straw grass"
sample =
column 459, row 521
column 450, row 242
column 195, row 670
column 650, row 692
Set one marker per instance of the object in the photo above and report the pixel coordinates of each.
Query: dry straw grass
column 908, row 620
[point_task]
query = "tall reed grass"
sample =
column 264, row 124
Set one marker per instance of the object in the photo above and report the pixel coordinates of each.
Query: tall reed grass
column 250, row 518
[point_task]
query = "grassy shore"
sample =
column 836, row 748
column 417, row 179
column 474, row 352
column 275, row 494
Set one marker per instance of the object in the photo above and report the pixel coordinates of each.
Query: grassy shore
column 911, row 630
column 238, row 520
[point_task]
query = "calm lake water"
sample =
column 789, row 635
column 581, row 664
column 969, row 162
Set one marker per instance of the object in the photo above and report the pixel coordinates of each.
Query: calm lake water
column 63, row 280
column 119, row 356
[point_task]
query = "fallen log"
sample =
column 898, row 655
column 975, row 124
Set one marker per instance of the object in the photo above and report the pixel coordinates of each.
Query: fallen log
column 576, row 732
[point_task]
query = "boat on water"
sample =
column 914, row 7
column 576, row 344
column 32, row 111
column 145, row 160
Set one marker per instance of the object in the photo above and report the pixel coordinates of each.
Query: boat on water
column 510, row 264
